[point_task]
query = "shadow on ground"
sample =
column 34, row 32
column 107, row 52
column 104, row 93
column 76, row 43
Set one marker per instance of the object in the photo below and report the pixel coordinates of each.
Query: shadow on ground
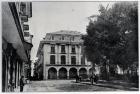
column 101, row 86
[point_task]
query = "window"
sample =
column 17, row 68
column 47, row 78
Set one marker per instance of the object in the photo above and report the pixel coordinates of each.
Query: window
column 52, row 59
column 52, row 37
column 73, row 49
column 72, row 38
column 82, row 60
column 63, row 59
column 62, row 37
column 52, row 48
column 73, row 60
column 62, row 48
column 23, row 8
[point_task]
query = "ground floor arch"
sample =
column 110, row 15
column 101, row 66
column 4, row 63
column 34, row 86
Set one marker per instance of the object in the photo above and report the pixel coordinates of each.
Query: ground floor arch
column 66, row 72
column 52, row 73
column 83, row 73
column 72, row 73
column 63, row 73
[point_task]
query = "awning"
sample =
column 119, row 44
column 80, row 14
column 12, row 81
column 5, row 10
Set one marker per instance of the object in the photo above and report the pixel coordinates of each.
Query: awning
column 10, row 32
column 27, row 45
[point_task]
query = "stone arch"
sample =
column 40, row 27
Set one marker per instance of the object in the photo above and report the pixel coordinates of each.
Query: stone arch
column 72, row 73
column 83, row 73
column 62, row 73
column 52, row 73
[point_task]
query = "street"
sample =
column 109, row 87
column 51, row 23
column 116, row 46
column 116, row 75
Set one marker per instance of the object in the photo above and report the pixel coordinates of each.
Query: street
column 72, row 86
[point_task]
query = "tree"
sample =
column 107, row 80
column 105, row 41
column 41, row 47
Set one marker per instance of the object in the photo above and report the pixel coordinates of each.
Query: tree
column 113, row 35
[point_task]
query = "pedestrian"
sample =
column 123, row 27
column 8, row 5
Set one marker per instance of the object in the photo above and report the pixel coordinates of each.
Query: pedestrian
column 21, row 83
column 77, row 78
column 96, row 78
column 91, row 79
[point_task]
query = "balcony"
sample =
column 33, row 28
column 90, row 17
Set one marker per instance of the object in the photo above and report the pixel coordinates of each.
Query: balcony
column 63, row 52
column 25, row 27
column 24, row 18
column 73, row 52
column 52, row 53
column 66, row 65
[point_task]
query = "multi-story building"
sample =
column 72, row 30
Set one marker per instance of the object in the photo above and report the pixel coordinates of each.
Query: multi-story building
column 16, row 43
column 62, row 55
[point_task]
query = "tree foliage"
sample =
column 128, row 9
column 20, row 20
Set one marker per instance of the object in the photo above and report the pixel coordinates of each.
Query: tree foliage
column 114, row 34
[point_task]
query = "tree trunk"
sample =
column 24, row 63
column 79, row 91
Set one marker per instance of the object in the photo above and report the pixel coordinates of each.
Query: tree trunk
column 107, row 71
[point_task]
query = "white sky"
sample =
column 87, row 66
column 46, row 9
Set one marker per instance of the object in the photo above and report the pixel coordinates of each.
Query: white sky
column 55, row 16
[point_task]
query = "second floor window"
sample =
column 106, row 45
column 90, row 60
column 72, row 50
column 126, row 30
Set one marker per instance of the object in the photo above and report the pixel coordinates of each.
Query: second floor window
column 73, row 60
column 23, row 8
column 52, row 48
column 63, row 59
column 62, row 37
column 52, row 37
column 52, row 59
column 72, row 38
column 73, row 49
column 62, row 48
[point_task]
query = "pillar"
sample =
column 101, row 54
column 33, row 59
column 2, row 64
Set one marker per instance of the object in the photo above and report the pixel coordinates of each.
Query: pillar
column 68, row 55
column 3, row 72
column 46, row 74
column 79, row 55
column 57, row 74
column 6, row 73
column 67, row 74
column 58, row 54
column 87, row 71
column 78, row 72
column 17, row 74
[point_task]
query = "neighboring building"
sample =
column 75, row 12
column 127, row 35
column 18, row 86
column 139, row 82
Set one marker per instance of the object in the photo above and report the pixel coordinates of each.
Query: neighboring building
column 16, row 44
column 62, row 56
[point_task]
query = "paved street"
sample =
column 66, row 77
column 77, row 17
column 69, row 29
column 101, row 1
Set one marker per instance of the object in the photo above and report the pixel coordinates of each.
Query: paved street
column 72, row 86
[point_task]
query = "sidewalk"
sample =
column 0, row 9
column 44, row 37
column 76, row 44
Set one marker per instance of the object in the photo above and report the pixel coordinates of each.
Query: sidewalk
column 26, row 86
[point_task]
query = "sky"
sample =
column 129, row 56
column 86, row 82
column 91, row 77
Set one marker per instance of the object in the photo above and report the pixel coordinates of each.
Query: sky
column 55, row 16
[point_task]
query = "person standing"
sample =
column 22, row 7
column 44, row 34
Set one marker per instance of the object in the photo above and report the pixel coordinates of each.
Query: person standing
column 77, row 78
column 91, row 79
column 96, row 78
column 21, row 83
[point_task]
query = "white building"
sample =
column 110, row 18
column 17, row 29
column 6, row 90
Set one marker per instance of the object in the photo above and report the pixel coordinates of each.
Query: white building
column 62, row 56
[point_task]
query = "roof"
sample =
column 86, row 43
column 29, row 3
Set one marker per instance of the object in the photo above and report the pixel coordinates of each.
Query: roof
column 66, row 32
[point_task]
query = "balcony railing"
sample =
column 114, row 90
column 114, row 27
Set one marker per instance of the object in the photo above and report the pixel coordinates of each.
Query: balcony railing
column 25, row 27
column 67, row 64
column 24, row 18
column 52, row 53
column 63, row 52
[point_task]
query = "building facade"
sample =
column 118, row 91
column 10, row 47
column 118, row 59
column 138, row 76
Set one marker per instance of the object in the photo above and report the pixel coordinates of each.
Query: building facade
column 16, row 46
column 62, row 56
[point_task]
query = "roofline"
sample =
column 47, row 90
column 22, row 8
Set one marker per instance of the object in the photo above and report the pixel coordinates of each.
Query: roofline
column 64, row 34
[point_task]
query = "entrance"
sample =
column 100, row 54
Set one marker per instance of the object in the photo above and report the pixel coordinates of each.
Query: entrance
column 62, row 73
column 52, row 73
